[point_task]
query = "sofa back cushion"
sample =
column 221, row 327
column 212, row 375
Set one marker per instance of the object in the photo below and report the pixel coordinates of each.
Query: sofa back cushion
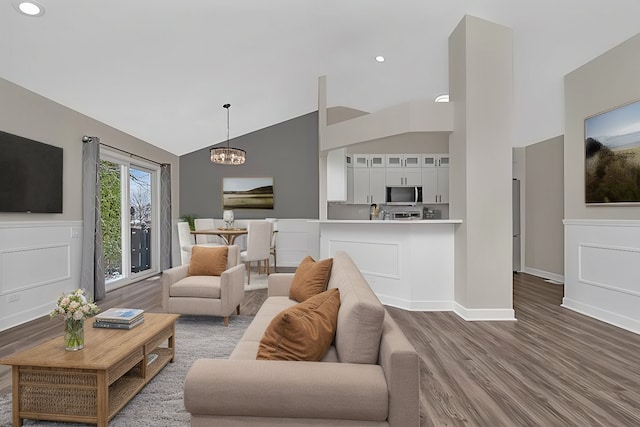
column 208, row 261
column 361, row 315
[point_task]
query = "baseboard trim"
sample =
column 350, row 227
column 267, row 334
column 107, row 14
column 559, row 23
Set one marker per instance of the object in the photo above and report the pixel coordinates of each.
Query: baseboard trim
column 544, row 274
column 484, row 314
column 614, row 319
column 416, row 305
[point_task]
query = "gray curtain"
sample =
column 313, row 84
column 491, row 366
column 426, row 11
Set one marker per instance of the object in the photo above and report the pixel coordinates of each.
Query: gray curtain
column 92, row 269
column 165, row 216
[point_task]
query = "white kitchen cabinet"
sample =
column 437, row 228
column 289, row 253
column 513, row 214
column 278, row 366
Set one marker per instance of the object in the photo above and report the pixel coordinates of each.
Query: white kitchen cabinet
column 367, row 186
column 403, row 169
column 368, row 160
column 365, row 178
column 435, row 178
column 403, row 160
column 337, row 175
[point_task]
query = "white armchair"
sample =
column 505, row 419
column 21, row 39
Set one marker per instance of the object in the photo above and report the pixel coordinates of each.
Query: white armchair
column 205, row 295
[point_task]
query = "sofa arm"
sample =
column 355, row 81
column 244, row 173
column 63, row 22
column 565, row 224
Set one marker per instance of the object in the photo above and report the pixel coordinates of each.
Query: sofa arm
column 286, row 389
column 232, row 288
column 169, row 277
column 279, row 284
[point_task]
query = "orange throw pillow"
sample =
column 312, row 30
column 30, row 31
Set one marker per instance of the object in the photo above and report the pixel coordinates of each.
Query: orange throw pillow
column 310, row 278
column 304, row 331
column 207, row 261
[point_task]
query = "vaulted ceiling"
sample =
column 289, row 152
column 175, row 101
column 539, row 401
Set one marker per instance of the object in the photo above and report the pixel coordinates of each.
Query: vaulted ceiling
column 161, row 70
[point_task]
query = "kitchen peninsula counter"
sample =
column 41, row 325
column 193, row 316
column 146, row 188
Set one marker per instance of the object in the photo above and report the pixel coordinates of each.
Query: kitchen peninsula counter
column 391, row 221
column 408, row 263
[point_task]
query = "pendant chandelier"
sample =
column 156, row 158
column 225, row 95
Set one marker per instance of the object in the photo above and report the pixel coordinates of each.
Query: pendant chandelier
column 228, row 155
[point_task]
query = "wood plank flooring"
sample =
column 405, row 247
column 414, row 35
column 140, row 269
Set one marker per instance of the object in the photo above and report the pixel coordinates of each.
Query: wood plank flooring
column 552, row 367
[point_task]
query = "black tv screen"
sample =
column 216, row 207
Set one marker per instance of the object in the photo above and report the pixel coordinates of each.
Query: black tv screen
column 30, row 175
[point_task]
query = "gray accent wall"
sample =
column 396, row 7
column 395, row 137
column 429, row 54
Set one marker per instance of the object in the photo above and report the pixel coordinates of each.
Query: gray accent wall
column 544, row 204
column 287, row 151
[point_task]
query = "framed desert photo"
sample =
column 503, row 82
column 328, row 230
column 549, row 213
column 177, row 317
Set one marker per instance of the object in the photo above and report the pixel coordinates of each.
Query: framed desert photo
column 612, row 156
column 247, row 193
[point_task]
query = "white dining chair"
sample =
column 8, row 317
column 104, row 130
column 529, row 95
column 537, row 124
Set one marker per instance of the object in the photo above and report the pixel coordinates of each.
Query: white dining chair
column 207, row 224
column 258, row 245
column 272, row 250
column 187, row 242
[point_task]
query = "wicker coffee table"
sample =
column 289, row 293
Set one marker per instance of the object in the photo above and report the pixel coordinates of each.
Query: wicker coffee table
column 93, row 384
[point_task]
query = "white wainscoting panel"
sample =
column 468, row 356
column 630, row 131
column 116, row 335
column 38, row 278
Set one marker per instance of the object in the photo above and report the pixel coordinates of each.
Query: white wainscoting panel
column 602, row 270
column 17, row 272
column 408, row 264
column 373, row 258
column 38, row 262
column 296, row 239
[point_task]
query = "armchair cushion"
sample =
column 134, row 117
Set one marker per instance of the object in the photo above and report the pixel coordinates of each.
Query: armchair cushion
column 208, row 261
column 311, row 278
column 304, row 331
column 196, row 287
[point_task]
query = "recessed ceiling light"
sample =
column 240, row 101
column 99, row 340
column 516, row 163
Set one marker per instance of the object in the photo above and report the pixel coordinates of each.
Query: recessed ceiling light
column 30, row 8
column 442, row 98
column 380, row 58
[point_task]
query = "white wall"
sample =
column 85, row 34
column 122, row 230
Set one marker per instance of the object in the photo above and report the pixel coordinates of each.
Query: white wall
column 544, row 195
column 34, row 240
column 481, row 86
column 602, row 243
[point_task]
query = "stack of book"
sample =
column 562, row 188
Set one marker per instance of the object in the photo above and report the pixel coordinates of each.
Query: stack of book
column 119, row 318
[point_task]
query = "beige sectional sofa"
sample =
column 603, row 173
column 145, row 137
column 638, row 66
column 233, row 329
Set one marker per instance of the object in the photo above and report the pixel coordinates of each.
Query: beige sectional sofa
column 369, row 376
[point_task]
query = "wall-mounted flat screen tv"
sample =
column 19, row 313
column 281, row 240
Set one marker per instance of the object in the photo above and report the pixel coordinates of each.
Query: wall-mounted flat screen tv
column 30, row 175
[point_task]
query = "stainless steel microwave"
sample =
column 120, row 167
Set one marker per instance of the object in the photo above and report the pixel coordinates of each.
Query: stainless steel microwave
column 405, row 195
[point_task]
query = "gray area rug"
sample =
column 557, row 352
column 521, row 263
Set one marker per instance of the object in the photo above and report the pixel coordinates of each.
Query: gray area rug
column 160, row 402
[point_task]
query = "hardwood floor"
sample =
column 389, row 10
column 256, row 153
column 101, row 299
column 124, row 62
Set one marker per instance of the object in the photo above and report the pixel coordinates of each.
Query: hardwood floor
column 552, row 367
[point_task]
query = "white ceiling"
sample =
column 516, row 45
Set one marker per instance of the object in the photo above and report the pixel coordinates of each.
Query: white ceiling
column 161, row 70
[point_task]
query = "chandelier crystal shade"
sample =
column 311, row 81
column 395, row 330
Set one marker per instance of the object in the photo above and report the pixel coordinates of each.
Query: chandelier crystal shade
column 228, row 155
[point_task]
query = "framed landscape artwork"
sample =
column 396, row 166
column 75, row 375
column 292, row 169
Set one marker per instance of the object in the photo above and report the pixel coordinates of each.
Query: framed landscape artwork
column 612, row 156
column 247, row 193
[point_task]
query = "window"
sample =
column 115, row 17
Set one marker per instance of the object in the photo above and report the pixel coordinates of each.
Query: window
column 129, row 193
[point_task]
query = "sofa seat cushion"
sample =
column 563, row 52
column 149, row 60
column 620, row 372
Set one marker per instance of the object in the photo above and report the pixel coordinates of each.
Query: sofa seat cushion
column 196, row 287
column 348, row 394
column 304, row 331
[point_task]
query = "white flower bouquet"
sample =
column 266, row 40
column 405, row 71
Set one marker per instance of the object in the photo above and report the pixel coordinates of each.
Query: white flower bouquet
column 75, row 308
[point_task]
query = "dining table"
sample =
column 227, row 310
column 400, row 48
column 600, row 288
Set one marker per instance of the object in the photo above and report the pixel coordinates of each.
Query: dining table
column 228, row 234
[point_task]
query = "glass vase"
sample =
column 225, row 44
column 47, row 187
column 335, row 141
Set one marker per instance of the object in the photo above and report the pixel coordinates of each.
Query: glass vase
column 73, row 334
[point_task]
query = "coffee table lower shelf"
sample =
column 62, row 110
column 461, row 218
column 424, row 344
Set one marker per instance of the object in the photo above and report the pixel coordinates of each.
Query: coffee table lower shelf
column 43, row 392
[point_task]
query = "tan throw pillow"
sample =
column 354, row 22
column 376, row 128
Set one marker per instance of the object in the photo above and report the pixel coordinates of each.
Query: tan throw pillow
column 304, row 331
column 310, row 278
column 206, row 261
